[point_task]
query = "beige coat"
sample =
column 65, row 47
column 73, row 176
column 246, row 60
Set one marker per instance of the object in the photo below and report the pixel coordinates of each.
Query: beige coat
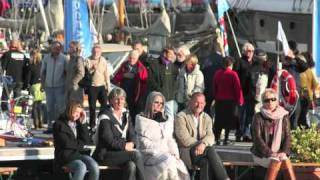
column 75, row 72
column 185, row 132
column 101, row 75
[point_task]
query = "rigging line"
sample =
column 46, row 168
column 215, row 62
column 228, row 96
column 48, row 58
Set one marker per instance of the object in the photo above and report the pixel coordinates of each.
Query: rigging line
column 23, row 18
column 49, row 15
column 29, row 17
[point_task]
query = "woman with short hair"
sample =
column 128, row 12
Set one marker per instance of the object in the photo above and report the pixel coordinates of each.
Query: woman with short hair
column 155, row 140
column 228, row 97
column 190, row 80
column 271, row 137
column 115, row 138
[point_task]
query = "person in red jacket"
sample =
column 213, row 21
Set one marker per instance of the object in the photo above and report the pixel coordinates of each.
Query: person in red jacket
column 132, row 77
column 228, row 96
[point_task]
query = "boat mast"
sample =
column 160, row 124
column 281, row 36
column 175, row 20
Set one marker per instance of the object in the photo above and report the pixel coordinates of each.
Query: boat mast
column 39, row 2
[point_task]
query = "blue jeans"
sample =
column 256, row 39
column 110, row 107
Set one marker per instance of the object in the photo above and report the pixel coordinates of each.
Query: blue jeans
column 55, row 103
column 80, row 166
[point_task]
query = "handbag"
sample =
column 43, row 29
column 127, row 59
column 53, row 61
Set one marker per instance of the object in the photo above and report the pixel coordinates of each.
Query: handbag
column 86, row 81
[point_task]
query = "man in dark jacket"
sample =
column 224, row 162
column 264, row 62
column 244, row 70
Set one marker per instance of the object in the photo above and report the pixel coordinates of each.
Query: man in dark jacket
column 163, row 76
column 13, row 64
column 295, row 66
column 242, row 67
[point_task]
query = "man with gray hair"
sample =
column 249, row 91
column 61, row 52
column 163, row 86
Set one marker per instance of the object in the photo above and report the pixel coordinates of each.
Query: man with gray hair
column 182, row 53
column 243, row 67
column 132, row 77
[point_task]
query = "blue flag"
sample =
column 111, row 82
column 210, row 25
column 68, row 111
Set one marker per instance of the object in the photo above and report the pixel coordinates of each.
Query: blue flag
column 223, row 6
column 77, row 25
column 316, row 35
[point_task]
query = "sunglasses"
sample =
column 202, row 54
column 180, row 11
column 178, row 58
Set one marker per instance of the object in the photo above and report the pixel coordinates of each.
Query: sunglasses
column 269, row 100
column 158, row 102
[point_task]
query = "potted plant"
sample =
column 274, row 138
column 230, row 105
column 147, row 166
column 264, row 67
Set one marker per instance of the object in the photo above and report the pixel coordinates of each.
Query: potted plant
column 306, row 149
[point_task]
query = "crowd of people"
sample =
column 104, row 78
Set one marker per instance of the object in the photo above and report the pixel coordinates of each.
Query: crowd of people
column 165, row 115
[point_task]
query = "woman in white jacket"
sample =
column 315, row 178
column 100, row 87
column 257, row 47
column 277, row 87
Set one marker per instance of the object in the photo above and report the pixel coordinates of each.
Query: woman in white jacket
column 155, row 140
column 190, row 80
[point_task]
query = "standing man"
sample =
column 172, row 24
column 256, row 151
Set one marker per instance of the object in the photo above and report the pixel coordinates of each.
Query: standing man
column 143, row 55
column 132, row 77
column 53, row 75
column 100, row 86
column 13, row 64
column 243, row 68
column 163, row 78
column 193, row 131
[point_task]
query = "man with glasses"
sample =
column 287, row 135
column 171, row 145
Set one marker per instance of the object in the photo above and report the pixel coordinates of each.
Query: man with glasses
column 243, row 67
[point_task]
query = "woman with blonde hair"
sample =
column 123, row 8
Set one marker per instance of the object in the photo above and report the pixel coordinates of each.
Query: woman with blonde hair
column 271, row 137
column 34, row 81
column 190, row 80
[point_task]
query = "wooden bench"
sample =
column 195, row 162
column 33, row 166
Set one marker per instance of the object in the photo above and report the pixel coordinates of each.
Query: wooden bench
column 69, row 171
column 8, row 171
column 251, row 165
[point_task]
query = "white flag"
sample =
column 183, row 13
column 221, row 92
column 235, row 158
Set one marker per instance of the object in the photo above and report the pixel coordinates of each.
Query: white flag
column 281, row 36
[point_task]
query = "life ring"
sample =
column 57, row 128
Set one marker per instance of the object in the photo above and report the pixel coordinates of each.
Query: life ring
column 288, row 95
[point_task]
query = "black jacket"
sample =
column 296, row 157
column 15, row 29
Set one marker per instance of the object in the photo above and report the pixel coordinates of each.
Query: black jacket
column 67, row 146
column 33, row 74
column 14, row 63
column 243, row 67
column 163, row 78
column 261, row 141
column 109, row 137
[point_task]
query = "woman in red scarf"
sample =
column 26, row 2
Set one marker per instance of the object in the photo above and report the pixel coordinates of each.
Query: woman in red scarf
column 271, row 137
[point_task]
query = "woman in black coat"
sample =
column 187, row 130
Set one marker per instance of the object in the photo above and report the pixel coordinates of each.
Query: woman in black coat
column 70, row 135
column 115, row 138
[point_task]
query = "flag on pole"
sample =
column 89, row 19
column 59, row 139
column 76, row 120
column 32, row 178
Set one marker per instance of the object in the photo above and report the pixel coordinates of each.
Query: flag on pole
column 223, row 6
column 315, row 35
column 77, row 25
column 281, row 36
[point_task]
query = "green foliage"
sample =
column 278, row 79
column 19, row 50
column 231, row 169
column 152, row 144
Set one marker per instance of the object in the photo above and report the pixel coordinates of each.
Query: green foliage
column 306, row 144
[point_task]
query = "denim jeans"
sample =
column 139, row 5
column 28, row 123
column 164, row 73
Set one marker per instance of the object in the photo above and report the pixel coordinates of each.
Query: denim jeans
column 80, row 167
column 55, row 103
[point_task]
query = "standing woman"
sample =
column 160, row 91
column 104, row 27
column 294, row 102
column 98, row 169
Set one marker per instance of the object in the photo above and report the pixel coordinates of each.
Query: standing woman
column 115, row 138
column 70, row 134
column 156, row 142
column 34, row 82
column 190, row 80
column 271, row 137
column 228, row 96
column 75, row 72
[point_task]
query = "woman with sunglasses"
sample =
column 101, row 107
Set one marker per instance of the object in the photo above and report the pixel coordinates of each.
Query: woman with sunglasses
column 155, row 140
column 271, row 137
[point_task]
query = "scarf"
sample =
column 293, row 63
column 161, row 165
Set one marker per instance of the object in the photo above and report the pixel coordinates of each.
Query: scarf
column 276, row 116
column 165, row 60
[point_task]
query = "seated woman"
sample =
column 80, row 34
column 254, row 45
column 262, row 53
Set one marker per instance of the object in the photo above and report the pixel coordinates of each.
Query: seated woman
column 155, row 141
column 271, row 137
column 115, row 138
column 70, row 134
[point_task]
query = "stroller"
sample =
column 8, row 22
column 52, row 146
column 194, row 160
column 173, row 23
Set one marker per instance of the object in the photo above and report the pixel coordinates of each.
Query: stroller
column 18, row 115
